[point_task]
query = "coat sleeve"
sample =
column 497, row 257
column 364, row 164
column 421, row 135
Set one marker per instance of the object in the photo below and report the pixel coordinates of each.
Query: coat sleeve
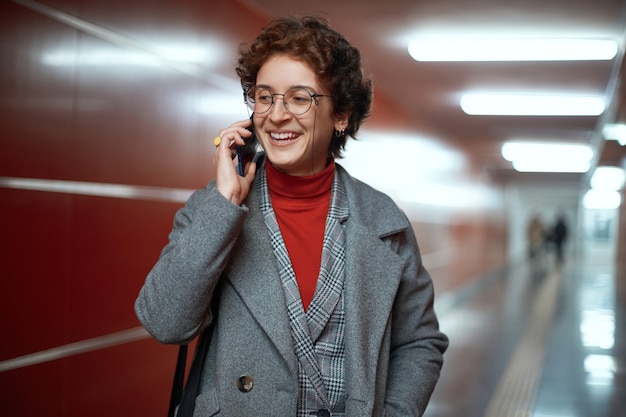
column 417, row 344
column 175, row 301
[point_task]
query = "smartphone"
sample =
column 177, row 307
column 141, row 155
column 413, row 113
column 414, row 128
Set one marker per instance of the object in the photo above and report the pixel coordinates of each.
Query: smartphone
column 246, row 152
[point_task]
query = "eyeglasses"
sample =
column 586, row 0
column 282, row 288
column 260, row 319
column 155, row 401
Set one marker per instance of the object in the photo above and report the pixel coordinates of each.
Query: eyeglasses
column 297, row 100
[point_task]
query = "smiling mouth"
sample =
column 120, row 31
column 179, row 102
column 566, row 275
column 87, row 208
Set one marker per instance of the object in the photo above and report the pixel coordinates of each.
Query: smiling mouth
column 284, row 136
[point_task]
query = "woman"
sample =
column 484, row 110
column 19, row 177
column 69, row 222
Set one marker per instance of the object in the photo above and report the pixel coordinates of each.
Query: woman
column 324, row 307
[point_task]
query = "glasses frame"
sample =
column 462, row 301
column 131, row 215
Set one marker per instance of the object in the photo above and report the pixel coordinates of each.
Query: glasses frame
column 251, row 102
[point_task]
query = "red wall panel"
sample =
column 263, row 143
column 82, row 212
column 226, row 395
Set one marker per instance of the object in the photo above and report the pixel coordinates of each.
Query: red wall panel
column 35, row 266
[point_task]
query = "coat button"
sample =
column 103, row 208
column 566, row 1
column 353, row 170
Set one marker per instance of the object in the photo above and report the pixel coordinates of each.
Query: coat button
column 323, row 413
column 245, row 383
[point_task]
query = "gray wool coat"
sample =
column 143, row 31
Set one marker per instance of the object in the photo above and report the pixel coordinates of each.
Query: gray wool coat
column 393, row 345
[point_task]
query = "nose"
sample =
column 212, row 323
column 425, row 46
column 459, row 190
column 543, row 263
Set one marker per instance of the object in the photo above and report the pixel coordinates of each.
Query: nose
column 278, row 112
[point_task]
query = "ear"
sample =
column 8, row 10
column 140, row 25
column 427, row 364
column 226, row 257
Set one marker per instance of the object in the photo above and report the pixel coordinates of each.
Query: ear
column 341, row 121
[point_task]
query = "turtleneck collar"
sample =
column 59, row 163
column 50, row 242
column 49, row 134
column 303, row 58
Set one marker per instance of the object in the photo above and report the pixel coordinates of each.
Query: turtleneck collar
column 301, row 187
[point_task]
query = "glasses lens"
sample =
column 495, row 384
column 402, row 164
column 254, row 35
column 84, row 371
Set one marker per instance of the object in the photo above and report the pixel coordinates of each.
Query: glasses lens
column 298, row 100
column 259, row 99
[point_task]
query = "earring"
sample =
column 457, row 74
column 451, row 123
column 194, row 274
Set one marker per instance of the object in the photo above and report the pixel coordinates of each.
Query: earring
column 339, row 133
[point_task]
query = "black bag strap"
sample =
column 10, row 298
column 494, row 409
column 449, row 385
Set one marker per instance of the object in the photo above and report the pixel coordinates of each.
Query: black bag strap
column 185, row 398
column 179, row 380
column 192, row 388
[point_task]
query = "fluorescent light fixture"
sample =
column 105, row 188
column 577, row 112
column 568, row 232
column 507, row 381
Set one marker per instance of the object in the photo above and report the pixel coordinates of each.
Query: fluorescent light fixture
column 546, row 165
column 207, row 53
column 615, row 132
column 608, row 178
column 118, row 58
column 489, row 49
column 599, row 199
column 531, row 105
column 529, row 156
column 515, row 150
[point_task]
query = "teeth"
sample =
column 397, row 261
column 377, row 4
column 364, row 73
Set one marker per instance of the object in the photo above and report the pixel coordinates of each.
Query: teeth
column 283, row 136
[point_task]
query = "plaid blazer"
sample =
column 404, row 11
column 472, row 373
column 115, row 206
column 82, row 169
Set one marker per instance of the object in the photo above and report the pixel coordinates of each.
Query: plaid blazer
column 319, row 333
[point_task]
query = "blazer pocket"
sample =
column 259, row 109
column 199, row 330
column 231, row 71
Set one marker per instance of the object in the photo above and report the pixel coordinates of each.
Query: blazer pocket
column 207, row 404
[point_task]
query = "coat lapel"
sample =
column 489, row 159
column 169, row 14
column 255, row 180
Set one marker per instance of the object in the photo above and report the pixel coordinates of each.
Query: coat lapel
column 371, row 284
column 256, row 280
column 332, row 270
column 373, row 274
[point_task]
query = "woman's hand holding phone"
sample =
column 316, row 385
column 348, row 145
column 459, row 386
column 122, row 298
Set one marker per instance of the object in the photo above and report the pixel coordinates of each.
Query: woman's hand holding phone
column 232, row 155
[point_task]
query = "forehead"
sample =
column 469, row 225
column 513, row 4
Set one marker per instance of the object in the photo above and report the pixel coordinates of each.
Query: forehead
column 281, row 72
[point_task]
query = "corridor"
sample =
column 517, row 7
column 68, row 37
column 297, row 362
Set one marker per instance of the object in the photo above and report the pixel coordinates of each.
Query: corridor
column 537, row 340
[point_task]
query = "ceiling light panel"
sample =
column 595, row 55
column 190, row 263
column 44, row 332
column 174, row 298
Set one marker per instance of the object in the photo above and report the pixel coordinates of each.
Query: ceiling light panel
column 608, row 178
column 499, row 104
column 601, row 199
column 615, row 132
column 548, row 156
column 489, row 49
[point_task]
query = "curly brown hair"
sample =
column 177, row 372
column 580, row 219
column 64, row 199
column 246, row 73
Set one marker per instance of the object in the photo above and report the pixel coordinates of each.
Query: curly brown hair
column 330, row 55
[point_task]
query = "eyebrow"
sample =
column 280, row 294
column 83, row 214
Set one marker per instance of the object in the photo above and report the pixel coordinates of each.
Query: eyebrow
column 306, row 87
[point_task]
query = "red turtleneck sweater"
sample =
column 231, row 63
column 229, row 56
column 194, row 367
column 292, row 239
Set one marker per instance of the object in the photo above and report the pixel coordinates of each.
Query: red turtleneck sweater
column 301, row 205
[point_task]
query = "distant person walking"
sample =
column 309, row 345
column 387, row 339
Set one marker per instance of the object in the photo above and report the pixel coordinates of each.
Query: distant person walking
column 559, row 236
column 535, row 234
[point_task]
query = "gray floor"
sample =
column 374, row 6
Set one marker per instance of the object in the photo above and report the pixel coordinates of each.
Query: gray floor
column 536, row 340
